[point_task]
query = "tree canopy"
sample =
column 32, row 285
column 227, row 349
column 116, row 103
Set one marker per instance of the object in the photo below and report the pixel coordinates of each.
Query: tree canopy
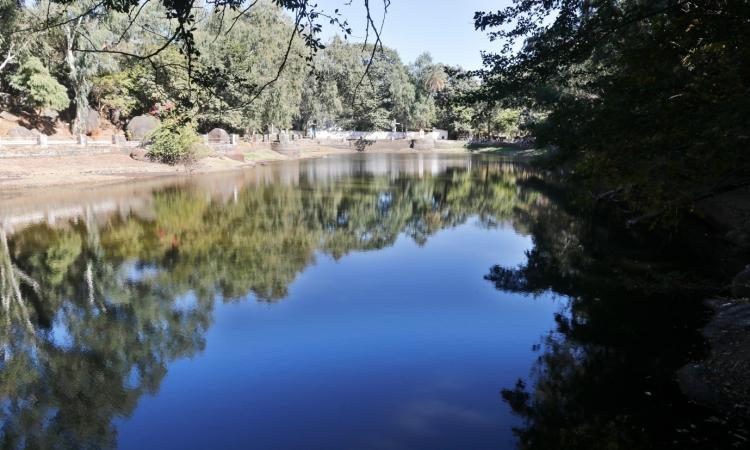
column 244, row 67
column 649, row 99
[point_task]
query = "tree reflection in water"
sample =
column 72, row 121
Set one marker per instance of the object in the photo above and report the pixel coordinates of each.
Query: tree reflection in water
column 94, row 312
column 605, row 378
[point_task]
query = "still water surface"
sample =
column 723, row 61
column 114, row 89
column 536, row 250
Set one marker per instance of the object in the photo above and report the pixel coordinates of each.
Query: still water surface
column 358, row 302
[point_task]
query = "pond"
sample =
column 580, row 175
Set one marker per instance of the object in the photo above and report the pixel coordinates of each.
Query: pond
column 365, row 301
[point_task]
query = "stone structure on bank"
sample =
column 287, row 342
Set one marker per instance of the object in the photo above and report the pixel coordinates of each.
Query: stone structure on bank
column 140, row 126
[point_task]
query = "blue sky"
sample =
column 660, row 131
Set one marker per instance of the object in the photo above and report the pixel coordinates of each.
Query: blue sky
column 442, row 27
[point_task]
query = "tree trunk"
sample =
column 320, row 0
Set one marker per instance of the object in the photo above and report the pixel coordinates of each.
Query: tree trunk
column 78, row 80
column 8, row 58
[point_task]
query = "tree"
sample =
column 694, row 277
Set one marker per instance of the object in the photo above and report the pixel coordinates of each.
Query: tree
column 173, row 142
column 385, row 95
column 435, row 79
column 39, row 89
column 11, row 44
column 428, row 79
column 455, row 111
column 236, row 63
column 647, row 97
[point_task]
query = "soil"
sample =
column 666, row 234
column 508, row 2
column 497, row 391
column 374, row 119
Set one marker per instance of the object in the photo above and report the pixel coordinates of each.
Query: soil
column 25, row 173
column 722, row 380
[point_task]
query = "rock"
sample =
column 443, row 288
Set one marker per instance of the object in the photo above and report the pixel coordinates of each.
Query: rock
column 140, row 126
column 722, row 379
column 22, row 132
column 741, row 284
column 139, row 154
column 91, row 123
column 50, row 114
column 218, row 136
column 118, row 139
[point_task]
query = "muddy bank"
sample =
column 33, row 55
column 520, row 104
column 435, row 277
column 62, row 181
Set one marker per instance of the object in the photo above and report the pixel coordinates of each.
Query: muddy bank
column 721, row 381
column 19, row 174
column 26, row 173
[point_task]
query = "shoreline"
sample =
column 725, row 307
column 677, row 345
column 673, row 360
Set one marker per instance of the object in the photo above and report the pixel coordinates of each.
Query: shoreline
column 22, row 175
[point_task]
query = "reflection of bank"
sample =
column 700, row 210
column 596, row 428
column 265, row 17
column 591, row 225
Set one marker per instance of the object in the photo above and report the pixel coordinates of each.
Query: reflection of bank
column 12, row 302
column 61, row 206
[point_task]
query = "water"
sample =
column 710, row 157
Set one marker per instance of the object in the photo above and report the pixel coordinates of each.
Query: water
column 369, row 302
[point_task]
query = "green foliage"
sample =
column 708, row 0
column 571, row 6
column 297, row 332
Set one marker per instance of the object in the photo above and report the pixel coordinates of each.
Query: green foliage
column 508, row 120
column 345, row 96
column 115, row 93
column 38, row 88
column 454, row 112
column 227, row 74
column 648, row 98
column 234, row 65
column 173, row 142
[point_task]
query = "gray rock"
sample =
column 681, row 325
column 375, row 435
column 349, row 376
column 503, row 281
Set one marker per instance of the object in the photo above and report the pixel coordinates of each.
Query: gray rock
column 50, row 114
column 92, row 121
column 22, row 132
column 140, row 126
column 218, row 136
column 118, row 139
column 139, row 154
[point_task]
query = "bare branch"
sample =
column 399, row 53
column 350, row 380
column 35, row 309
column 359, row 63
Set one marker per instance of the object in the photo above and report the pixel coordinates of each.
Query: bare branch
column 241, row 13
column 286, row 57
column 378, row 44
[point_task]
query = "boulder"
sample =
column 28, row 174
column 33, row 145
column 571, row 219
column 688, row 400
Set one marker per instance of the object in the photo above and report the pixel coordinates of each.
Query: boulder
column 22, row 132
column 91, row 122
column 50, row 114
column 139, row 154
column 218, row 136
column 140, row 126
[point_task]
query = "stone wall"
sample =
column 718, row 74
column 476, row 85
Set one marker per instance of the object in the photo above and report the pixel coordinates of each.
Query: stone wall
column 381, row 135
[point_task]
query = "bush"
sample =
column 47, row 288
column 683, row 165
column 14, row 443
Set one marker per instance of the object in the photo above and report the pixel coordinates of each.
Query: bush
column 38, row 88
column 173, row 142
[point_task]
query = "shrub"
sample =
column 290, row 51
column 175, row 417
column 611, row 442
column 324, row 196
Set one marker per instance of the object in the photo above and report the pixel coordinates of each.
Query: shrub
column 173, row 142
column 39, row 89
